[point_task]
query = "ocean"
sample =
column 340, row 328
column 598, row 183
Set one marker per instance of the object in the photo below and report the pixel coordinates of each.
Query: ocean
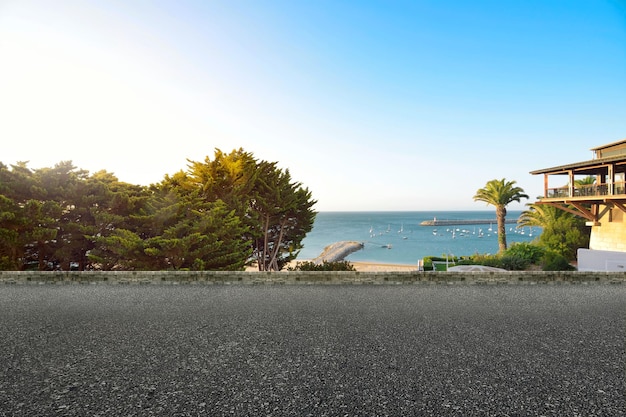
column 398, row 238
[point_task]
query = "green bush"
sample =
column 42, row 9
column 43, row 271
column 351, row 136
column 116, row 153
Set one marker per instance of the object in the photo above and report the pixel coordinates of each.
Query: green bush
column 487, row 260
column 440, row 267
column 7, row 265
column 554, row 261
column 565, row 236
column 513, row 262
column 517, row 258
column 324, row 266
column 428, row 262
column 525, row 250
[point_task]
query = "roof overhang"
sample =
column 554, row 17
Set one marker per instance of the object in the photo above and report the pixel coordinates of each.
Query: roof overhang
column 609, row 145
column 585, row 167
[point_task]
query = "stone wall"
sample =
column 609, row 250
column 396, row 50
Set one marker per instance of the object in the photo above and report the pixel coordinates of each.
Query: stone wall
column 611, row 234
column 306, row 278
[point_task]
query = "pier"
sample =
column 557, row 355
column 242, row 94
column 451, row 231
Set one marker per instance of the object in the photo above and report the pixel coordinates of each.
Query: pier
column 436, row 222
column 338, row 251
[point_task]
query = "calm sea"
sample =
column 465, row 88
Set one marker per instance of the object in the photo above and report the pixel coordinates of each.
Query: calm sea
column 397, row 237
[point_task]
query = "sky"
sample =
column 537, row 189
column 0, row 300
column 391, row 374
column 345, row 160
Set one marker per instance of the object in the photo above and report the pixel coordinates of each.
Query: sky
column 371, row 105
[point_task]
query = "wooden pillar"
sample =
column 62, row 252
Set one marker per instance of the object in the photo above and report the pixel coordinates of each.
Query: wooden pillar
column 611, row 179
column 570, row 174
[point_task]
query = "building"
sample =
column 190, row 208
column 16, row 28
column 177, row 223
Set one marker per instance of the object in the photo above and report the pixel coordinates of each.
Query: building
column 602, row 203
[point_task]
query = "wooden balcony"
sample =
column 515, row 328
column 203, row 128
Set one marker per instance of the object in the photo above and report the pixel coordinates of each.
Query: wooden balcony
column 586, row 200
column 587, row 192
column 608, row 171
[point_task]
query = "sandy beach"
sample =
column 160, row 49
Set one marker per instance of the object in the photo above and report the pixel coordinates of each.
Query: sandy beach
column 374, row 267
column 359, row 266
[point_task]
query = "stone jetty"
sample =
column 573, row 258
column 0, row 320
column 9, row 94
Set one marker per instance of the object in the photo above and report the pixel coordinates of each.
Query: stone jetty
column 338, row 251
column 461, row 222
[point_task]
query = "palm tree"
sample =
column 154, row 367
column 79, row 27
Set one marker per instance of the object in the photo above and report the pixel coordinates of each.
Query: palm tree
column 499, row 193
column 585, row 185
column 588, row 180
column 562, row 231
column 541, row 215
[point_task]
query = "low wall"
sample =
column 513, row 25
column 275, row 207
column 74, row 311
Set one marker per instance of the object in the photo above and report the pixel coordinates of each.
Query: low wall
column 306, row 278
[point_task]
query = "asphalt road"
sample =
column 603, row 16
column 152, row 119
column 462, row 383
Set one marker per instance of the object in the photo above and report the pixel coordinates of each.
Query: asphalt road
column 313, row 350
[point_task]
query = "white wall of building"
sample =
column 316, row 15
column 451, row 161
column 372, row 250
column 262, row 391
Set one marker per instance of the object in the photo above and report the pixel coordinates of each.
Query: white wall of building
column 601, row 260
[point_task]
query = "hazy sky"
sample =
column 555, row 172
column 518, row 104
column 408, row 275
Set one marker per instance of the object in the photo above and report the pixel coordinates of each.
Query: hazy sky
column 373, row 105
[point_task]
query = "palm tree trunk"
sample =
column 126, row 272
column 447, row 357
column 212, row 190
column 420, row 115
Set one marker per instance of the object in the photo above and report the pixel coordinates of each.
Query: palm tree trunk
column 501, row 219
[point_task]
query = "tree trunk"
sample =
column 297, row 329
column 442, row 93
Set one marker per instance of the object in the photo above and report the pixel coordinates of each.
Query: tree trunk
column 273, row 266
column 501, row 218
column 262, row 256
column 41, row 261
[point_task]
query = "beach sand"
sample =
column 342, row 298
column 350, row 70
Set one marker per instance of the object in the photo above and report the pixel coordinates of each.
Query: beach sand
column 361, row 267
column 374, row 267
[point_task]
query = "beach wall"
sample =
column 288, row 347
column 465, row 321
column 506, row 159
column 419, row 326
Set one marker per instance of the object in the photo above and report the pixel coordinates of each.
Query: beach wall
column 306, row 278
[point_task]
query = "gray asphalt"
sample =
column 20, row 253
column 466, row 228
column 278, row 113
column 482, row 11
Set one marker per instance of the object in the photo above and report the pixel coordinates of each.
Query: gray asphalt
column 313, row 350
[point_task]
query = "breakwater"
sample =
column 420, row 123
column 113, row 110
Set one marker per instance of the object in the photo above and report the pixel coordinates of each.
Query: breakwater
column 307, row 278
column 338, row 251
column 435, row 222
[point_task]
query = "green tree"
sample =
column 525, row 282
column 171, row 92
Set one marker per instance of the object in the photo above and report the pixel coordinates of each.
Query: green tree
column 120, row 249
column 563, row 232
column 120, row 217
column 28, row 220
column 68, row 187
column 588, row 180
column 11, row 224
column 284, row 210
column 500, row 193
column 277, row 211
column 220, row 214
column 41, row 229
column 207, row 236
column 122, row 240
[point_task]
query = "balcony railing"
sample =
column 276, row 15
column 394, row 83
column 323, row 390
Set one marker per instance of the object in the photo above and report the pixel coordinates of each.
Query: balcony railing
column 592, row 190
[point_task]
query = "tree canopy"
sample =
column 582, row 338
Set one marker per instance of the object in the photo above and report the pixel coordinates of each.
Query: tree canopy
column 220, row 214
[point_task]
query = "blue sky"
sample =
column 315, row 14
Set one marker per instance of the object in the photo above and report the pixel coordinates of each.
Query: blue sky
column 373, row 105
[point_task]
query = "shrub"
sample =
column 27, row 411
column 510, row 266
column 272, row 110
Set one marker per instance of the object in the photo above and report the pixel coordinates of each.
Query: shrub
column 324, row 266
column 513, row 262
column 439, row 260
column 487, row 260
column 525, row 250
column 565, row 236
column 554, row 261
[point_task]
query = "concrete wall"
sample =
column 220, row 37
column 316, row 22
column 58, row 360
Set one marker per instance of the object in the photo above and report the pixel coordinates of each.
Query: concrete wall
column 611, row 234
column 601, row 260
column 305, row 278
